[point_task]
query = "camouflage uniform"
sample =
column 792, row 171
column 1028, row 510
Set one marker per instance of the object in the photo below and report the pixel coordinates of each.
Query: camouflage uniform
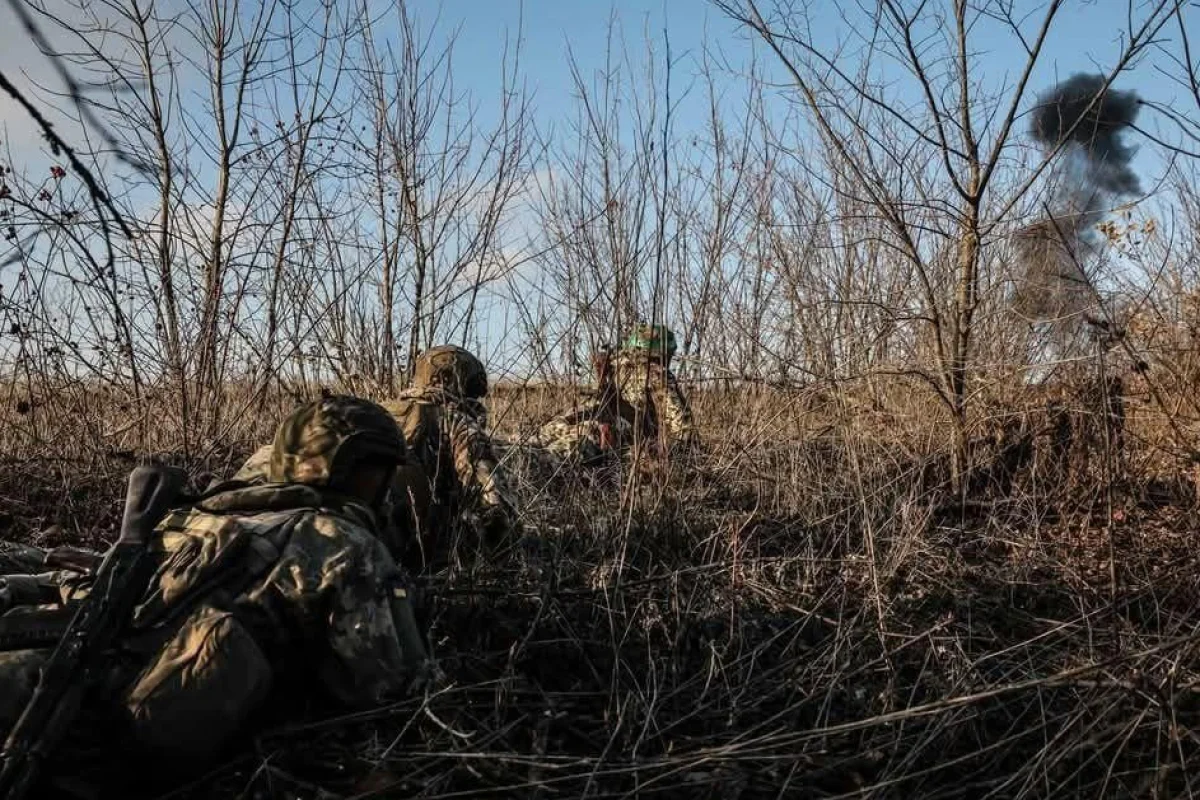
column 20, row 558
column 577, row 434
column 265, row 593
column 649, row 401
column 647, row 384
column 22, row 578
column 454, row 471
column 257, row 466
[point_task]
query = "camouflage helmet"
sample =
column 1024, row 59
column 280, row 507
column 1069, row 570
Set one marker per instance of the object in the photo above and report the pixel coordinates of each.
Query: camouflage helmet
column 654, row 339
column 453, row 369
column 320, row 443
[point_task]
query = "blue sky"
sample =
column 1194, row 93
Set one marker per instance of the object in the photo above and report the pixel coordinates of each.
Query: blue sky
column 1086, row 37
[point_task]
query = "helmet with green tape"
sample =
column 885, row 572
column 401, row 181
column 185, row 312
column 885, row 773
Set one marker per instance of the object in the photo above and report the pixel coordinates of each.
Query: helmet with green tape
column 655, row 340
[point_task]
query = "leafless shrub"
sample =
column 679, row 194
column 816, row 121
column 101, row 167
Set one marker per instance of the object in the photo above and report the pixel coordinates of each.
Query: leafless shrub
column 909, row 546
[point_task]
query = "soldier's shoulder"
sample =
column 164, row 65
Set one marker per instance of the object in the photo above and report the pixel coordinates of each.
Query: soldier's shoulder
column 333, row 553
column 347, row 529
column 257, row 465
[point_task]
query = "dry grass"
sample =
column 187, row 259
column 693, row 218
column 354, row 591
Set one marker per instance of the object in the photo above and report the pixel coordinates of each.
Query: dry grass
column 798, row 609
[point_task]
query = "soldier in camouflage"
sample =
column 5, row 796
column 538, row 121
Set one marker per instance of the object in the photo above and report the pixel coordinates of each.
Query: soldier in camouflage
column 649, row 401
column 642, row 370
column 265, row 593
column 454, row 473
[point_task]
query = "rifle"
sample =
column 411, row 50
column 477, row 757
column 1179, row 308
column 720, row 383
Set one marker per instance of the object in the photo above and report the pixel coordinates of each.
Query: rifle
column 98, row 622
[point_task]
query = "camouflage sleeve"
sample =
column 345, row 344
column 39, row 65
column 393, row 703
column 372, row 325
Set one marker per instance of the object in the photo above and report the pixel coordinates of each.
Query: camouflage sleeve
column 671, row 406
column 257, row 468
column 637, row 376
column 349, row 593
column 477, row 468
column 27, row 577
column 21, row 559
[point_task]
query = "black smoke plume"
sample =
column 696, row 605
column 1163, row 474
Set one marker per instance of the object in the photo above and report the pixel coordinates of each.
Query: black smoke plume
column 1089, row 120
column 1092, row 173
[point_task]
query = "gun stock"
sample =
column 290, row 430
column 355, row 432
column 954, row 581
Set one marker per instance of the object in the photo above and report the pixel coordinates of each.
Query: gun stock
column 96, row 625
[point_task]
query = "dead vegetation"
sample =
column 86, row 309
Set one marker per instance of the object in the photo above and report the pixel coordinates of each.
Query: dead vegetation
column 936, row 539
column 801, row 607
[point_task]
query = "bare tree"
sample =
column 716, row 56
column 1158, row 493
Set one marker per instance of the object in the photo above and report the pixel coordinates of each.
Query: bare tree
column 927, row 153
column 247, row 133
column 609, row 201
column 442, row 181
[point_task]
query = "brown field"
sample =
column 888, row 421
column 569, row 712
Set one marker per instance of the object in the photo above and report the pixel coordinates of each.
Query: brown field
column 799, row 608
column 940, row 329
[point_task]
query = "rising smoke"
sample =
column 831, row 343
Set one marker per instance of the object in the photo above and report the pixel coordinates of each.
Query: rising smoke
column 1090, row 120
column 1092, row 174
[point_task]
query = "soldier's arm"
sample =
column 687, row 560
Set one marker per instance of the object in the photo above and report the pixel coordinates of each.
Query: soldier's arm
column 477, row 467
column 257, row 468
column 673, row 411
